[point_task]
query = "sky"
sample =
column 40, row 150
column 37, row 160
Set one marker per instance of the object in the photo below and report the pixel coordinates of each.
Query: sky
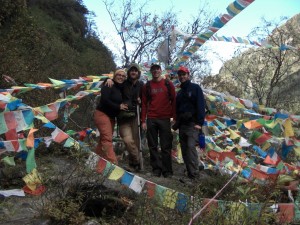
column 240, row 26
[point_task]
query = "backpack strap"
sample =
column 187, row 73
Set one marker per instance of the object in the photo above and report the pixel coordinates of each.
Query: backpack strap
column 167, row 83
column 148, row 91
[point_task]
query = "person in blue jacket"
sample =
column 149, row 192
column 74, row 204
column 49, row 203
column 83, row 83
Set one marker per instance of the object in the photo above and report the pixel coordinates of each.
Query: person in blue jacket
column 190, row 114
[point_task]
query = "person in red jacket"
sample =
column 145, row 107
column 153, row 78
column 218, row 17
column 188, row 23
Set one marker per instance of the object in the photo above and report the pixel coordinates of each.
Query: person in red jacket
column 158, row 107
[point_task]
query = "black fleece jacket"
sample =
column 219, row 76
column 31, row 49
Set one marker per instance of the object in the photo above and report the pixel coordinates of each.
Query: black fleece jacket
column 190, row 100
column 111, row 98
column 131, row 93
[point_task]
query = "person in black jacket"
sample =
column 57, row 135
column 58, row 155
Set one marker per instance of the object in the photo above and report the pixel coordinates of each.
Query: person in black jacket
column 128, row 120
column 129, row 124
column 190, row 114
column 110, row 105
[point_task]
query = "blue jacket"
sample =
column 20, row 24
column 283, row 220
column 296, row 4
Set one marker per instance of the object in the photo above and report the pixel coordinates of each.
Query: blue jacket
column 190, row 104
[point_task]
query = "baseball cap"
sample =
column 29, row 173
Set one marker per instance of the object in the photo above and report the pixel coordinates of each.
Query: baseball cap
column 184, row 69
column 153, row 66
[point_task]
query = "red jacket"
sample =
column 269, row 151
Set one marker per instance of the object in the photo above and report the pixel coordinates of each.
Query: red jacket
column 161, row 104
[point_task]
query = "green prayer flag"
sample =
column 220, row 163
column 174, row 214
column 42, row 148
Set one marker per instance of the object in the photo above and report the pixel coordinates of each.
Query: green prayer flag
column 160, row 193
column 22, row 144
column 297, row 207
column 3, row 127
column 255, row 134
column 280, row 165
column 108, row 168
column 276, row 130
column 30, row 161
column 71, row 132
column 69, row 142
column 45, row 109
column 261, row 121
column 9, row 160
column 221, row 125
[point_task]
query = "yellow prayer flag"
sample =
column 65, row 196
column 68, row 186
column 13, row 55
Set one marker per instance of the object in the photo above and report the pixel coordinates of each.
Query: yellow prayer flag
column 229, row 148
column 88, row 86
column 233, row 134
column 38, row 109
column 32, row 179
column 117, row 173
column 266, row 146
column 211, row 98
column 42, row 118
column 57, row 82
column 261, row 107
column 297, row 150
column 170, row 198
column 288, row 129
column 239, row 105
column 240, row 122
column 179, row 154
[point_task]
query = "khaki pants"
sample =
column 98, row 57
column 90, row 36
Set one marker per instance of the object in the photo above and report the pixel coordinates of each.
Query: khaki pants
column 129, row 133
column 105, row 126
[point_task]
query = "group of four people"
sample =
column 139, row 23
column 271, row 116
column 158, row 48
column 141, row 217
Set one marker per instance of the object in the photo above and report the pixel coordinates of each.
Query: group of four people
column 121, row 98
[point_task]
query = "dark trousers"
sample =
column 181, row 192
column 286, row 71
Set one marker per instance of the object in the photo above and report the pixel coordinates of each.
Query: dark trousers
column 160, row 129
column 188, row 137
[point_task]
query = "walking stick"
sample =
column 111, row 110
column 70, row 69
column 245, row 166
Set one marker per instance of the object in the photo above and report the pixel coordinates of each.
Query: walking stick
column 140, row 139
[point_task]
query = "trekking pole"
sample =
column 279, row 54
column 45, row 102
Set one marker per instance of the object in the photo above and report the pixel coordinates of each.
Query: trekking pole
column 140, row 139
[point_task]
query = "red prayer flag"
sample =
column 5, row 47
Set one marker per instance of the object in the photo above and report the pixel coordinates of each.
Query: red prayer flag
column 262, row 139
column 285, row 213
column 101, row 165
column 150, row 189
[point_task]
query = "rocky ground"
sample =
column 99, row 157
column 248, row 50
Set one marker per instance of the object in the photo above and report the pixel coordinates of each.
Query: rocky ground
column 58, row 169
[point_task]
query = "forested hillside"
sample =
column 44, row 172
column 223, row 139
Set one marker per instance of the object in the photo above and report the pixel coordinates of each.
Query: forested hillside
column 43, row 39
column 268, row 75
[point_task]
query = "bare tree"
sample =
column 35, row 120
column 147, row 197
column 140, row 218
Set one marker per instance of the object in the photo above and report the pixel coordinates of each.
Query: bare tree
column 141, row 32
column 262, row 72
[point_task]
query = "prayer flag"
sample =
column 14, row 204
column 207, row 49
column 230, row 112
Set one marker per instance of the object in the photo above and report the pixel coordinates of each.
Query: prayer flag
column 127, row 178
column 117, row 173
column 30, row 138
column 108, row 168
column 252, row 124
column 170, row 198
column 101, row 165
column 54, row 111
column 30, row 160
column 9, row 160
column 160, row 193
column 288, row 131
column 32, row 179
column 181, row 203
column 137, row 184
column 58, row 135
